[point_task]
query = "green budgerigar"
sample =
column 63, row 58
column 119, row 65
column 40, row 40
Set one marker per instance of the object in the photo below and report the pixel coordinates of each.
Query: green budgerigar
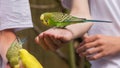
column 13, row 54
column 16, row 54
column 59, row 19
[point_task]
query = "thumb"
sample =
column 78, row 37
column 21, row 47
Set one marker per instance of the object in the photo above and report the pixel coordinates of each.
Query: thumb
column 37, row 40
column 85, row 36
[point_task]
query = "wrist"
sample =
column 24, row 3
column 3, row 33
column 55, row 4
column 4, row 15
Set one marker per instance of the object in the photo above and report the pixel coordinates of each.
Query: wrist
column 79, row 29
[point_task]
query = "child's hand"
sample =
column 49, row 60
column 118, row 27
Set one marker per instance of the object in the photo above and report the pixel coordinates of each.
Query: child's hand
column 53, row 38
column 98, row 46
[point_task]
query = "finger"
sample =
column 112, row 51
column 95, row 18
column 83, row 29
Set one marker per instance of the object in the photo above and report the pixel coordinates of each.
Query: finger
column 57, row 42
column 49, row 42
column 63, row 35
column 79, row 49
column 87, row 46
column 42, row 42
column 85, row 36
column 90, row 38
column 81, row 44
column 37, row 40
column 7, row 66
column 92, row 51
column 96, row 56
column 53, row 33
column 60, row 34
column 54, row 39
column 21, row 64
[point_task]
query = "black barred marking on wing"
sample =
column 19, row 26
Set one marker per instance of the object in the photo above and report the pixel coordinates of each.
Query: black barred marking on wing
column 63, row 17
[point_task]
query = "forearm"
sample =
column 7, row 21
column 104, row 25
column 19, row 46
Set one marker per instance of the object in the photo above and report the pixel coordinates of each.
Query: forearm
column 78, row 30
column 6, row 38
column 80, row 8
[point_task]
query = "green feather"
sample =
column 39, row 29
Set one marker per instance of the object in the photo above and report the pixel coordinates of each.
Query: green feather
column 59, row 19
column 13, row 53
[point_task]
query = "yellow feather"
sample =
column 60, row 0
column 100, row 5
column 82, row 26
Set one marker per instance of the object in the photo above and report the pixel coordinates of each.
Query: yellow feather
column 28, row 60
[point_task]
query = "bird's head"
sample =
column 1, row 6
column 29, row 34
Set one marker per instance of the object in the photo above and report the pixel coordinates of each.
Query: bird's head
column 45, row 18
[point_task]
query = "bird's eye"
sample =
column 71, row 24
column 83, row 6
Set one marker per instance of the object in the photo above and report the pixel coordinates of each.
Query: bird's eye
column 46, row 21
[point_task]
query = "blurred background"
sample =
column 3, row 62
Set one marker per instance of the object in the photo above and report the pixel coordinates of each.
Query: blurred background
column 62, row 59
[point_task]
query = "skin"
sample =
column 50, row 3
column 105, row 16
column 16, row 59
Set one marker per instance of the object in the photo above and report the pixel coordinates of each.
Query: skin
column 6, row 38
column 53, row 38
column 50, row 38
column 99, row 45
column 93, row 47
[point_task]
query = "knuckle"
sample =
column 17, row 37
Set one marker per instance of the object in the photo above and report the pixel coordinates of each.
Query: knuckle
column 104, row 54
column 101, row 48
column 98, row 36
column 86, row 46
column 100, row 42
column 95, row 58
column 89, row 52
column 86, row 40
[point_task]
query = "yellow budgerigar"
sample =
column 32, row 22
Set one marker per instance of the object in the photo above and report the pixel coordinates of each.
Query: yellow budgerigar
column 28, row 60
column 16, row 54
